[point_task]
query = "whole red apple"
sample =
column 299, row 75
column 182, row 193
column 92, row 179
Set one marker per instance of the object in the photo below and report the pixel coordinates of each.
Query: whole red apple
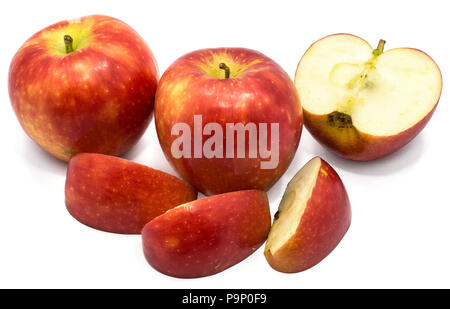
column 228, row 119
column 209, row 235
column 84, row 85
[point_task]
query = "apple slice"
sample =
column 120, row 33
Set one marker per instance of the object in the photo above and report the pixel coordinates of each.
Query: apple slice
column 313, row 216
column 362, row 103
column 120, row 196
column 209, row 235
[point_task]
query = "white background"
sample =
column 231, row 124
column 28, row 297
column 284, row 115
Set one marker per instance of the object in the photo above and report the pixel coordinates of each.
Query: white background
column 400, row 230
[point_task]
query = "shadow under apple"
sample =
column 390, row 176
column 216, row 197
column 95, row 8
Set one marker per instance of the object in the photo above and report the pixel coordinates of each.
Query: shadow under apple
column 40, row 159
column 403, row 158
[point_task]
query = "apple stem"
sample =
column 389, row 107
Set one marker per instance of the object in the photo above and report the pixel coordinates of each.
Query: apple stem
column 68, row 41
column 380, row 48
column 223, row 66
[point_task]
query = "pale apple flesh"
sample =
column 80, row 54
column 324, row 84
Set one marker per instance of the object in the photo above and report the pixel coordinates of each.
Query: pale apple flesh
column 292, row 206
column 364, row 103
column 313, row 216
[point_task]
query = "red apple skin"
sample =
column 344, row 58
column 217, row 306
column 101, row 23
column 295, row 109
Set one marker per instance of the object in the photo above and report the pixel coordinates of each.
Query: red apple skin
column 98, row 98
column 325, row 221
column 262, row 93
column 352, row 144
column 119, row 196
column 207, row 236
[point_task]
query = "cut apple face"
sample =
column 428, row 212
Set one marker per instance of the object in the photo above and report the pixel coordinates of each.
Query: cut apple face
column 353, row 96
column 313, row 216
column 292, row 206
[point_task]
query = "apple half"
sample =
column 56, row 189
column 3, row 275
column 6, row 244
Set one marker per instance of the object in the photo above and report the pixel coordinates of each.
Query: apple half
column 207, row 236
column 120, row 196
column 364, row 103
column 313, row 216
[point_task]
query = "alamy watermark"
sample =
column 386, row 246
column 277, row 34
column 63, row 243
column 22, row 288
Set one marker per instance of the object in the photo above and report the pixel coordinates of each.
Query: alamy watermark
column 213, row 147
